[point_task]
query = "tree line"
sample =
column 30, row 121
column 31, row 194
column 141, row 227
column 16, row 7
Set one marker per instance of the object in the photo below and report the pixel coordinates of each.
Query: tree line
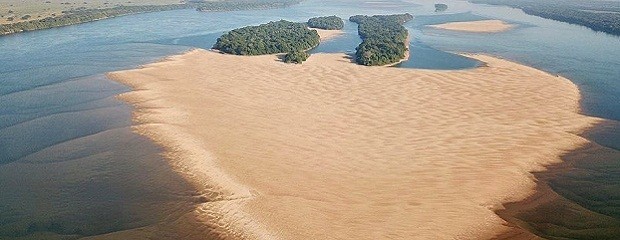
column 81, row 16
column 384, row 39
column 327, row 23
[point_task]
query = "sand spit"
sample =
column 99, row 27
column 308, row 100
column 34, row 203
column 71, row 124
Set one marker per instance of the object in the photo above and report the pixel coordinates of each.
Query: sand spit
column 484, row 26
column 327, row 35
column 328, row 149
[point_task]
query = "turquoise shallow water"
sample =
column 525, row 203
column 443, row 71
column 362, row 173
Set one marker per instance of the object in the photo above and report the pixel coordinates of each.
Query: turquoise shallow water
column 68, row 162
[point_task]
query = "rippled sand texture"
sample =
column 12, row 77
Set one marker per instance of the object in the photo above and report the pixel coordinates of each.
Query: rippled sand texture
column 333, row 150
column 483, row 26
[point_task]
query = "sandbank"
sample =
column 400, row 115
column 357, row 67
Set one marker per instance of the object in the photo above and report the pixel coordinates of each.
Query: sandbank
column 483, row 26
column 329, row 149
column 328, row 34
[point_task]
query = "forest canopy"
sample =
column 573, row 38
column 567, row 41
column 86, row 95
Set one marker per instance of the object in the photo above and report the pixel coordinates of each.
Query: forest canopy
column 270, row 38
column 327, row 23
column 384, row 39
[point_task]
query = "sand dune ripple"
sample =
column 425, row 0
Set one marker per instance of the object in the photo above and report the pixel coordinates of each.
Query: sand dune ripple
column 332, row 150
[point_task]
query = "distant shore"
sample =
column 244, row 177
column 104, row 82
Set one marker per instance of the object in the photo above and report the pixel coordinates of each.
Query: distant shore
column 85, row 15
column 483, row 26
column 332, row 149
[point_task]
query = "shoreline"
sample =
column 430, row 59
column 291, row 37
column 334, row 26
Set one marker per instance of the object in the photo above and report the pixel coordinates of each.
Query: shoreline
column 145, row 98
column 407, row 53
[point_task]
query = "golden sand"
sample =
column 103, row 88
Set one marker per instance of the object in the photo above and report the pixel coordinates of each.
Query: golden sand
column 484, row 26
column 329, row 149
column 328, row 34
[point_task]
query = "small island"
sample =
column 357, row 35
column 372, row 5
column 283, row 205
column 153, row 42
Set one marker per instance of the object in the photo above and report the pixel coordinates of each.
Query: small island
column 270, row 38
column 384, row 39
column 440, row 7
column 326, row 23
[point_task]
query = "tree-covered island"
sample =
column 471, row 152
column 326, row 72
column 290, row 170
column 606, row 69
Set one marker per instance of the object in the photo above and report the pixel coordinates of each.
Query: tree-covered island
column 327, row 23
column 270, row 38
column 384, row 39
column 440, row 7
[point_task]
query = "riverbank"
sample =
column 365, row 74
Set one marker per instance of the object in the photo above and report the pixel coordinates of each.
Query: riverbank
column 483, row 26
column 407, row 52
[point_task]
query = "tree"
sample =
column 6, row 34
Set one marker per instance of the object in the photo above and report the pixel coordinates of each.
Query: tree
column 297, row 56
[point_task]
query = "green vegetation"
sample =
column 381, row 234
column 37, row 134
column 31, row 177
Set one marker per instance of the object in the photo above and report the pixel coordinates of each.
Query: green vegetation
column 327, row 23
column 384, row 39
column 270, row 38
column 603, row 16
column 221, row 6
column 82, row 15
column 297, row 56
column 440, row 7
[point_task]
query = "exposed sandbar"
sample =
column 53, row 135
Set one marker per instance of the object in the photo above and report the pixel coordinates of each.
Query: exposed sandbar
column 328, row 34
column 329, row 149
column 483, row 26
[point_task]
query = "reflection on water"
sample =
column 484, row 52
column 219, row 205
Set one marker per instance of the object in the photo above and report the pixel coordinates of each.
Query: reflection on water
column 70, row 165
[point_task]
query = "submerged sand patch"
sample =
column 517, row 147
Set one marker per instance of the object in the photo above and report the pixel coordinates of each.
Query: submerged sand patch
column 329, row 149
column 483, row 26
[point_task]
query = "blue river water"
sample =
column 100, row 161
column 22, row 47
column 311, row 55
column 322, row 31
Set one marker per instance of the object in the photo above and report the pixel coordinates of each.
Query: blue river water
column 70, row 166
